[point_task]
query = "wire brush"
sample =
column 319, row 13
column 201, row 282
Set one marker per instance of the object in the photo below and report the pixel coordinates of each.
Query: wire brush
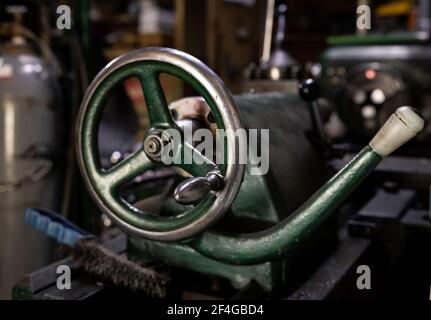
column 96, row 259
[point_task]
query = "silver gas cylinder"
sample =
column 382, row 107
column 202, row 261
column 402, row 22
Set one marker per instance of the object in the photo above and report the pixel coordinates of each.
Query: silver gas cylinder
column 30, row 143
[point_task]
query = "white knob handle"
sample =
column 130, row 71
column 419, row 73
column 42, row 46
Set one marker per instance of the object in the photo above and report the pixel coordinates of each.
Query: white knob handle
column 402, row 125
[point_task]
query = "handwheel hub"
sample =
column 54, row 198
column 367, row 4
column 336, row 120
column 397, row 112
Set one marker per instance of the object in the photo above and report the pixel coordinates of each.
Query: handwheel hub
column 153, row 145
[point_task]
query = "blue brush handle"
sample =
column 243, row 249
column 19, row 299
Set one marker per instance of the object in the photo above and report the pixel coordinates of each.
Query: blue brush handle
column 55, row 226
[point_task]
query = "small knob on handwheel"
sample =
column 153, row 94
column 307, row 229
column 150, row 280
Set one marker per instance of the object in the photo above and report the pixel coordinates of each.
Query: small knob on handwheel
column 195, row 189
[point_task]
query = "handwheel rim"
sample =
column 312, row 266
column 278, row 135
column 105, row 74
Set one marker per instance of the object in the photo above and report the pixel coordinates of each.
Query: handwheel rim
column 220, row 97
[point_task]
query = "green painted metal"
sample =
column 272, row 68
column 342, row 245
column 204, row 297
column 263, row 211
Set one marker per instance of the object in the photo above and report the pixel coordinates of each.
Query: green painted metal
column 240, row 257
column 396, row 38
column 82, row 12
column 108, row 182
column 260, row 197
column 293, row 160
column 22, row 292
column 195, row 170
column 268, row 275
column 256, row 199
column 243, row 258
column 263, row 246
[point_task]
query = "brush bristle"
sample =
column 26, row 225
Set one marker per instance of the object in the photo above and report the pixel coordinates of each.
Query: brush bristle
column 99, row 261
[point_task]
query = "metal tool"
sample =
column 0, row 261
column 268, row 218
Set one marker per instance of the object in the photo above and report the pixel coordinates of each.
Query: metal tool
column 237, row 256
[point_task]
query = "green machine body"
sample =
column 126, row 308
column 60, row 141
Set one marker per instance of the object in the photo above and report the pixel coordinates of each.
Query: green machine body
column 221, row 219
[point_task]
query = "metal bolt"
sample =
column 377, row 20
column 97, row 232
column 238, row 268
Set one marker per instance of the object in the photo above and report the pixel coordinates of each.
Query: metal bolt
column 153, row 146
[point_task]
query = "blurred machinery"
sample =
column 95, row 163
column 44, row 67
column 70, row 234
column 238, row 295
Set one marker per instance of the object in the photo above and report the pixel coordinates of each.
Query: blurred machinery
column 42, row 77
column 221, row 231
column 31, row 113
column 276, row 70
column 367, row 77
column 218, row 220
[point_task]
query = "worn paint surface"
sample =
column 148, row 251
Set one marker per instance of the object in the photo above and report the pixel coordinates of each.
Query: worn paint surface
column 263, row 246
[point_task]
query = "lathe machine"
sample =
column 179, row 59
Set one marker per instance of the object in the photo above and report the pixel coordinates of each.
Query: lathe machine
column 221, row 229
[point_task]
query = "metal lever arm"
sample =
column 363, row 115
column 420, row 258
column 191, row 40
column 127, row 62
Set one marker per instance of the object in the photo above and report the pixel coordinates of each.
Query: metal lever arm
column 262, row 246
column 309, row 92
